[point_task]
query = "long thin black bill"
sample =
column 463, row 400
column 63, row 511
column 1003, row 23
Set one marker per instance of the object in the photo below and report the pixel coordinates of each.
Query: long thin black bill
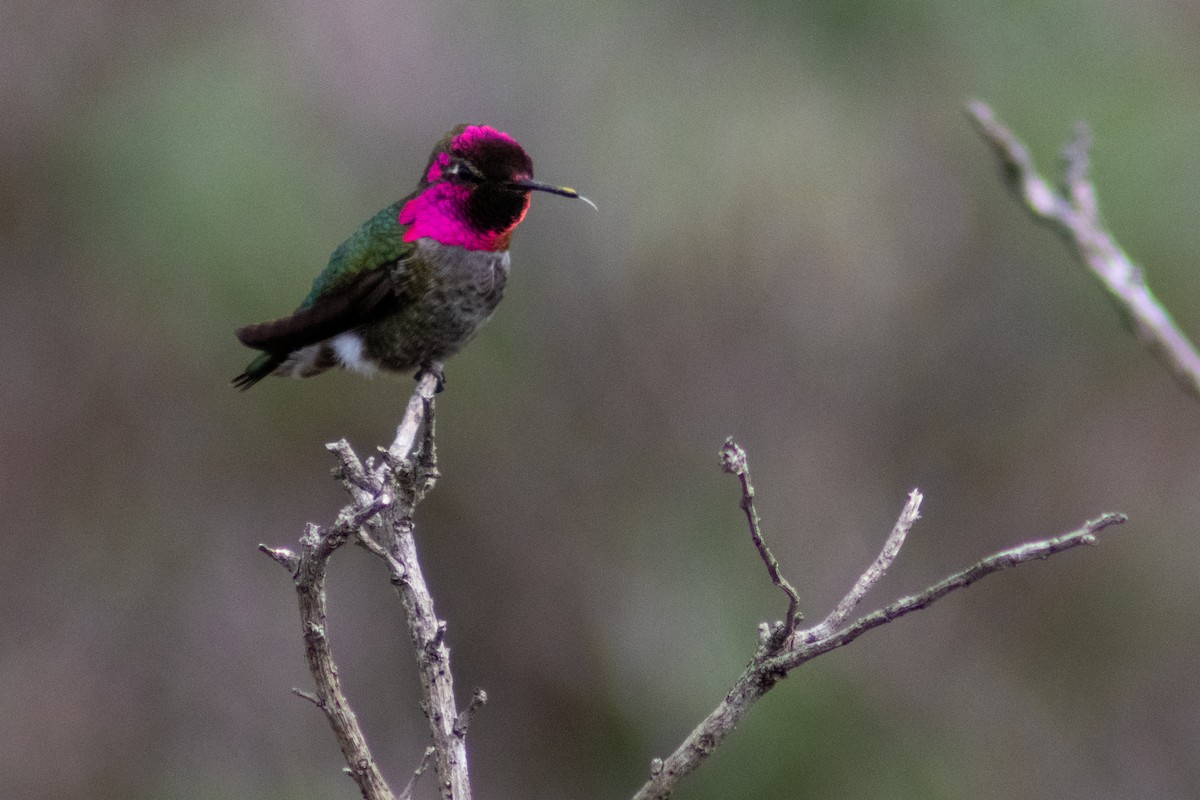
column 563, row 191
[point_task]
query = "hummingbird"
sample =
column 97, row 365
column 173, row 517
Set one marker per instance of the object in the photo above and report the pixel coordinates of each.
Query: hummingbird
column 414, row 284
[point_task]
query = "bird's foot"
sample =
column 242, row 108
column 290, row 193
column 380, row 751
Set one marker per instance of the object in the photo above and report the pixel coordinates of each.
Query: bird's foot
column 435, row 369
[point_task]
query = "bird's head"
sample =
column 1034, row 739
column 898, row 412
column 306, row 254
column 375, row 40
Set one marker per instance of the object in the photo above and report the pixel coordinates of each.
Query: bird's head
column 475, row 190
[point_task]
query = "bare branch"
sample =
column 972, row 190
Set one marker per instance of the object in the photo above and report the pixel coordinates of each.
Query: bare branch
column 478, row 700
column 351, row 519
column 891, row 548
column 417, row 773
column 317, row 548
column 773, row 661
column 996, row 562
column 411, row 477
column 1075, row 214
column 350, row 470
column 309, row 696
column 733, row 461
column 384, row 496
column 285, row 557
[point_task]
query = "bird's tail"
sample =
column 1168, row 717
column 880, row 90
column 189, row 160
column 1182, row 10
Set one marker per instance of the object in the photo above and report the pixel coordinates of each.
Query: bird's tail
column 258, row 369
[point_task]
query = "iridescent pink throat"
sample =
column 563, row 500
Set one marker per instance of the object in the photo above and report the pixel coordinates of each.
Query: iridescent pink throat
column 440, row 213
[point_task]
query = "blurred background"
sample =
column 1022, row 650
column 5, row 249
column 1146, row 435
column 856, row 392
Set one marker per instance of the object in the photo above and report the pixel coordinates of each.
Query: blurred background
column 801, row 242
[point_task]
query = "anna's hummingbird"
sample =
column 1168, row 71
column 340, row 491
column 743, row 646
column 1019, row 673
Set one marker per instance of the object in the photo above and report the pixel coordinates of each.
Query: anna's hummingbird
column 417, row 280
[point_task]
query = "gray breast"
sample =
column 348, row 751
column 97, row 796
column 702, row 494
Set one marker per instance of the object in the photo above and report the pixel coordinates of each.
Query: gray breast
column 463, row 290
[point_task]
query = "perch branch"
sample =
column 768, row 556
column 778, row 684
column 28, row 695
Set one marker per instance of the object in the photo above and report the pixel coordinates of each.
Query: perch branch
column 774, row 658
column 1074, row 213
column 385, row 493
column 413, row 477
column 419, row 406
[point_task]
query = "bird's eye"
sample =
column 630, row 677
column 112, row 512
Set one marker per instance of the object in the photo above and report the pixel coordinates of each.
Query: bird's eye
column 465, row 172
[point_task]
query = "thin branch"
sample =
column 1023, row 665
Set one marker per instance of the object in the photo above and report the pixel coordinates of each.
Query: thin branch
column 354, row 477
column 478, row 700
column 996, row 562
column 733, row 461
column 286, row 558
column 309, row 696
column 769, row 664
column 352, row 519
column 878, row 568
column 406, row 794
column 1074, row 213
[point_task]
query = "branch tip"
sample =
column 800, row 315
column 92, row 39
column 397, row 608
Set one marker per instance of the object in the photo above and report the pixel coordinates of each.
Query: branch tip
column 478, row 700
column 1107, row 519
column 1077, row 154
column 312, row 535
column 734, row 462
column 733, row 457
column 284, row 557
column 310, row 697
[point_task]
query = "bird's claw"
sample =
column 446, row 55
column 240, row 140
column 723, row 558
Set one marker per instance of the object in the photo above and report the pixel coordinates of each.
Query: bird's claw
column 437, row 372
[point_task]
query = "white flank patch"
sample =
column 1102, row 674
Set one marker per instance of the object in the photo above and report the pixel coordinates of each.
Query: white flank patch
column 349, row 349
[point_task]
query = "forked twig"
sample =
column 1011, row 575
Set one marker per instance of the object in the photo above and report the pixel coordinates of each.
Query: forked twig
column 775, row 657
column 380, row 518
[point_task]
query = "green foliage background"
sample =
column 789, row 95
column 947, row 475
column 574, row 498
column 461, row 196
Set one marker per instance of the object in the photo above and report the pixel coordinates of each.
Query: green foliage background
column 800, row 242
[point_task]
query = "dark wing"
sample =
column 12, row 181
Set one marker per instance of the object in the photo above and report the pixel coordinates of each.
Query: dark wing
column 367, row 278
column 370, row 295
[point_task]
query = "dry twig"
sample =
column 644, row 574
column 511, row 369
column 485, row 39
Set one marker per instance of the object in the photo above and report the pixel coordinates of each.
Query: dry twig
column 1073, row 211
column 380, row 516
column 783, row 650
column 733, row 461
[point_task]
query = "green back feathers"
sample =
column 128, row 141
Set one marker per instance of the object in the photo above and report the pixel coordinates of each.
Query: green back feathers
column 378, row 242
